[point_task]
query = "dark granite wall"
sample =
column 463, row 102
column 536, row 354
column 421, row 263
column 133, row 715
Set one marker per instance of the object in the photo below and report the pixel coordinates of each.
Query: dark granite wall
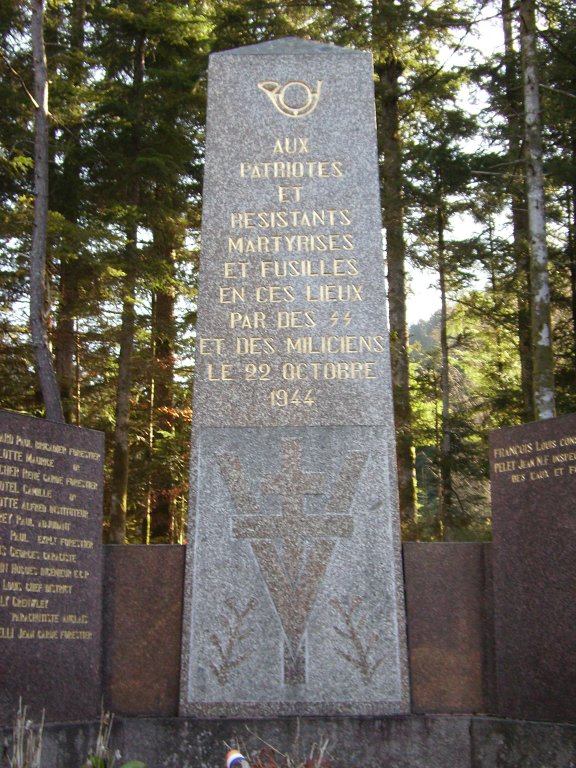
column 533, row 480
column 449, row 628
column 142, row 628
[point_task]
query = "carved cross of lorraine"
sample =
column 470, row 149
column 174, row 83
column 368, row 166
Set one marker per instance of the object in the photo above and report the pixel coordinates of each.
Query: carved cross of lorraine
column 293, row 549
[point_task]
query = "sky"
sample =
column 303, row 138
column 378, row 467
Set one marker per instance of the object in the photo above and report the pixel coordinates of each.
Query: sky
column 423, row 296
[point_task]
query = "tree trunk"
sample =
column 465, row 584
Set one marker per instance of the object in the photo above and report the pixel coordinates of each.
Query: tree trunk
column 445, row 496
column 161, row 512
column 119, row 480
column 517, row 186
column 43, row 356
column 65, row 341
column 387, row 94
column 68, row 203
column 541, row 324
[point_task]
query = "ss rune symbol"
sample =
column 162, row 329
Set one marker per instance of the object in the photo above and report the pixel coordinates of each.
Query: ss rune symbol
column 293, row 99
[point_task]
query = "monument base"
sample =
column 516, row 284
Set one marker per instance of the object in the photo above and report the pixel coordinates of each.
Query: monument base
column 396, row 742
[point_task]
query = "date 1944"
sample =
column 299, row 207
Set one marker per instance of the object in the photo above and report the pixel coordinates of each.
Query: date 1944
column 285, row 397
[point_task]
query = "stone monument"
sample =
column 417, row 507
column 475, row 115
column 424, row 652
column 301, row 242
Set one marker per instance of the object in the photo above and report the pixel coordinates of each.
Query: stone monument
column 533, row 478
column 294, row 592
column 51, row 478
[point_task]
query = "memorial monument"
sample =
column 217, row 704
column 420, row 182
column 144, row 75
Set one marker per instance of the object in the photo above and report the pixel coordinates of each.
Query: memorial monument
column 294, row 593
column 51, row 480
column 533, row 478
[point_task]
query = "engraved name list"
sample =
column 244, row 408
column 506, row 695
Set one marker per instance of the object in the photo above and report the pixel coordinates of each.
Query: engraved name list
column 49, row 533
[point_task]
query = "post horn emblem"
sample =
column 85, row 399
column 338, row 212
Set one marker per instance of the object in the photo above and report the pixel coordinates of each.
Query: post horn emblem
column 293, row 99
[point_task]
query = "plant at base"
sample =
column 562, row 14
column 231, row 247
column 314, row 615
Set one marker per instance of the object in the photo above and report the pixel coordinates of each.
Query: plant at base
column 26, row 741
column 268, row 756
column 103, row 757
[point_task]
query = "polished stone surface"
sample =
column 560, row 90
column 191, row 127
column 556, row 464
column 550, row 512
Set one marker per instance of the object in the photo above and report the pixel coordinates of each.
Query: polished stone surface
column 51, row 483
column 450, row 626
column 142, row 628
column 294, row 591
column 533, row 473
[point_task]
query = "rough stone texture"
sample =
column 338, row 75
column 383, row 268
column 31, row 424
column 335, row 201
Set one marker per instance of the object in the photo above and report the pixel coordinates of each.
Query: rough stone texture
column 533, row 472
column 397, row 742
column 50, row 567
column 143, row 589
column 394, row 742
column 294, row 594
column 509, row 744
column 450, row 627
column 143, row 628
column 446, row 591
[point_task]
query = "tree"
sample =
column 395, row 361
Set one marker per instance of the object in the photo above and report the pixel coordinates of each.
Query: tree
column 516, row 186
column 440, row 177
column 388, row 25
column 151, row 159
column 38, row 303
column 543, row 370
column 68, row 197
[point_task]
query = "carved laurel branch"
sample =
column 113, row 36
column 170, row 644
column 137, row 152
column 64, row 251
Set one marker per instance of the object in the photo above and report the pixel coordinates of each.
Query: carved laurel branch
column 228, row 643
column 361, row 644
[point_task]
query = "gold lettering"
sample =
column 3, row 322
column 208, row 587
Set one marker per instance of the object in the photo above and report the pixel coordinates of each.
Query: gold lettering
column 308, row 268
column 332, row 293
column 219, row 372
column 330, row 371
column 319, row 169
column 254, row 345
column 235, row 269
column 274, row 294
column 291, row 145
column 208, row 346
column 7, row 470
column 231, row 295
column 505, row 466
column 289, row 194
column 324, row 217
column 295, row 319
column 251, row 320
column 11, row 455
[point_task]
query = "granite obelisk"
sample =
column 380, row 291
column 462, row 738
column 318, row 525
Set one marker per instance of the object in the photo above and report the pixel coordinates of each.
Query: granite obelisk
column 294, row 593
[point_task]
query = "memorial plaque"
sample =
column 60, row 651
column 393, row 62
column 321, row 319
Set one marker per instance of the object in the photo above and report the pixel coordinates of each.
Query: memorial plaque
column 50, row 567
column 533, row 474
column 294, row 594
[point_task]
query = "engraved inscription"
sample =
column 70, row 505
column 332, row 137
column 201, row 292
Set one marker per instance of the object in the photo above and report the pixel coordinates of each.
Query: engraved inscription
column 293, row 265
column 535, row 460
column 45, row 535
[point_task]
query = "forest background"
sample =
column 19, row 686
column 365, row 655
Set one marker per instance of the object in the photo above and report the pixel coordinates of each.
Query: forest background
column 110, row 293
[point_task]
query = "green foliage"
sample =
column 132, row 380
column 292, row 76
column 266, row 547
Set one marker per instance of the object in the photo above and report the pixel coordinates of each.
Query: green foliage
column 127, row 139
